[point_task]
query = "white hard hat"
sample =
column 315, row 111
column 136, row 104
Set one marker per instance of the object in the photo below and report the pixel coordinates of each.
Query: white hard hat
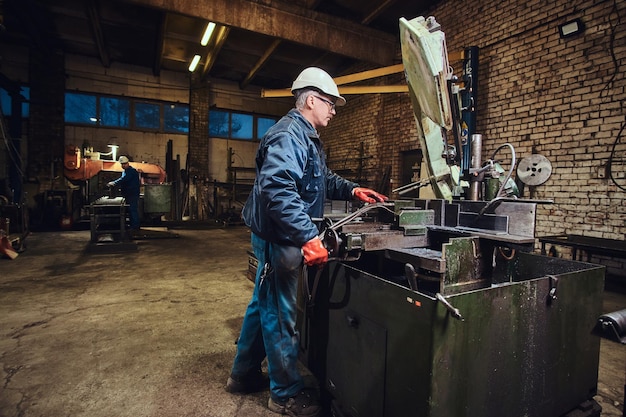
column 319, row 79
column 123, row 160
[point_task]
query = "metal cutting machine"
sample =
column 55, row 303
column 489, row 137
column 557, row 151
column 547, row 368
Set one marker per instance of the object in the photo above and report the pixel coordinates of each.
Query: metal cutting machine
column 438, row 307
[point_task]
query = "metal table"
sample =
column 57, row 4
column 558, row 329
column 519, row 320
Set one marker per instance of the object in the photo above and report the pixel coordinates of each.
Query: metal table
column 590, row 245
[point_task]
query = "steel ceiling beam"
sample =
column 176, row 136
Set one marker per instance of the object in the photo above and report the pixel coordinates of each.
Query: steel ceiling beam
column 292, row 23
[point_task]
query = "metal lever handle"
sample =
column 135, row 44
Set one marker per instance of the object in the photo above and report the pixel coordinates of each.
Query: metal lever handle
column 356, row 214
column 552, row 292
column 454, row 311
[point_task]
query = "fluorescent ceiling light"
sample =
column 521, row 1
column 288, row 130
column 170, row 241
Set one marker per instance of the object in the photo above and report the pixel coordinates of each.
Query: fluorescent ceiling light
column 207, row 34
column 194, row 63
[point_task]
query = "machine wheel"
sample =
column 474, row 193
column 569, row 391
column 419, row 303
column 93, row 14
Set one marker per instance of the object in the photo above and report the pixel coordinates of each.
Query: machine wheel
column 332, row 241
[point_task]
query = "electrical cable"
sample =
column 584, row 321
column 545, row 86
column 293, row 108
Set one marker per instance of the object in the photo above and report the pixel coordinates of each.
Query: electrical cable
column 609, row 164
column 513, row 162
column 616, row 66
column 616, row 63
column 504, row 255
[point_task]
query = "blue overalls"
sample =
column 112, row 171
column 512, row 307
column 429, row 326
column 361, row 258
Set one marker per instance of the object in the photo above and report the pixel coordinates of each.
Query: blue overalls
column 130, row 184
column 291, row 185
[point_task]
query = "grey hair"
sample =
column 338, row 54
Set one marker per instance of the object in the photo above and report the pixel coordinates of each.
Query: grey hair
column 301, row 96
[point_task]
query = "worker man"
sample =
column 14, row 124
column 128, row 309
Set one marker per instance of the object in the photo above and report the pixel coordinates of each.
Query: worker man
column 292, row 182
column 130, row 185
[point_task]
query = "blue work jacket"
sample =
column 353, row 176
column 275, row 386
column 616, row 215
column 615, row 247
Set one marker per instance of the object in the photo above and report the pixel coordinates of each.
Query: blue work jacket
column 129, row 183
column 292, row 183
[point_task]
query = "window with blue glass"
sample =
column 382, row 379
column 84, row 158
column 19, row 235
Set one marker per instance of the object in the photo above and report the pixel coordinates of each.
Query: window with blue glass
column 241, row 126
column 147, row 115
column 219, row 123
column 234, row 125
column 263, row 124
column 114, row 112
column 6, row 101
column 26, row 104
column 176, row 118
column 81, row 108
column 127, row 113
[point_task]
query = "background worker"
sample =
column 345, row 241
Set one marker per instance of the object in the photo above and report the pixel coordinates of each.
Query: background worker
column 130, row 185
column 291, row 185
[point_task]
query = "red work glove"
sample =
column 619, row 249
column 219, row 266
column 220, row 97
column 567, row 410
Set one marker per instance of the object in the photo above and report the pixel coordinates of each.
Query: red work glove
column 314, row 252
column 368, row 196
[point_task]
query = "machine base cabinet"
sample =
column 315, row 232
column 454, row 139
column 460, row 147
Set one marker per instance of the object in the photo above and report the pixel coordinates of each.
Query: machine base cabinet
column 108, row 217
column 522, row 347
column 108, row 226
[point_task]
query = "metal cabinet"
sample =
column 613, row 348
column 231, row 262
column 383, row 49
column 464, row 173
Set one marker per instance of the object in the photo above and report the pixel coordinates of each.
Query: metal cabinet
column 108, row 220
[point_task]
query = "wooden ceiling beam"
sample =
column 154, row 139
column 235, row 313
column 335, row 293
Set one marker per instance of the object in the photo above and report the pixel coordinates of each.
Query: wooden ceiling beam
column 377, row 11
column 96, row 30
column 260, row 63
column 292, row 23
column 159, row 46
column 220, row 36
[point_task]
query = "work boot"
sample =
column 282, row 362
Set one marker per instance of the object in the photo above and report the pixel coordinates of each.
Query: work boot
column 305, row 403
column 253, row 382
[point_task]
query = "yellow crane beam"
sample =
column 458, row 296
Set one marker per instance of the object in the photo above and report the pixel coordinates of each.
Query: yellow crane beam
column 361, row 76
column 352, row 78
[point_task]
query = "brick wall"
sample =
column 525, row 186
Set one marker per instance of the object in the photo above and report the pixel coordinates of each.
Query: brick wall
column 382, row 122
column 562, row 98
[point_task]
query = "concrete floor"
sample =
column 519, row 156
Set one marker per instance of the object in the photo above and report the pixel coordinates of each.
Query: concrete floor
column 149, row 332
